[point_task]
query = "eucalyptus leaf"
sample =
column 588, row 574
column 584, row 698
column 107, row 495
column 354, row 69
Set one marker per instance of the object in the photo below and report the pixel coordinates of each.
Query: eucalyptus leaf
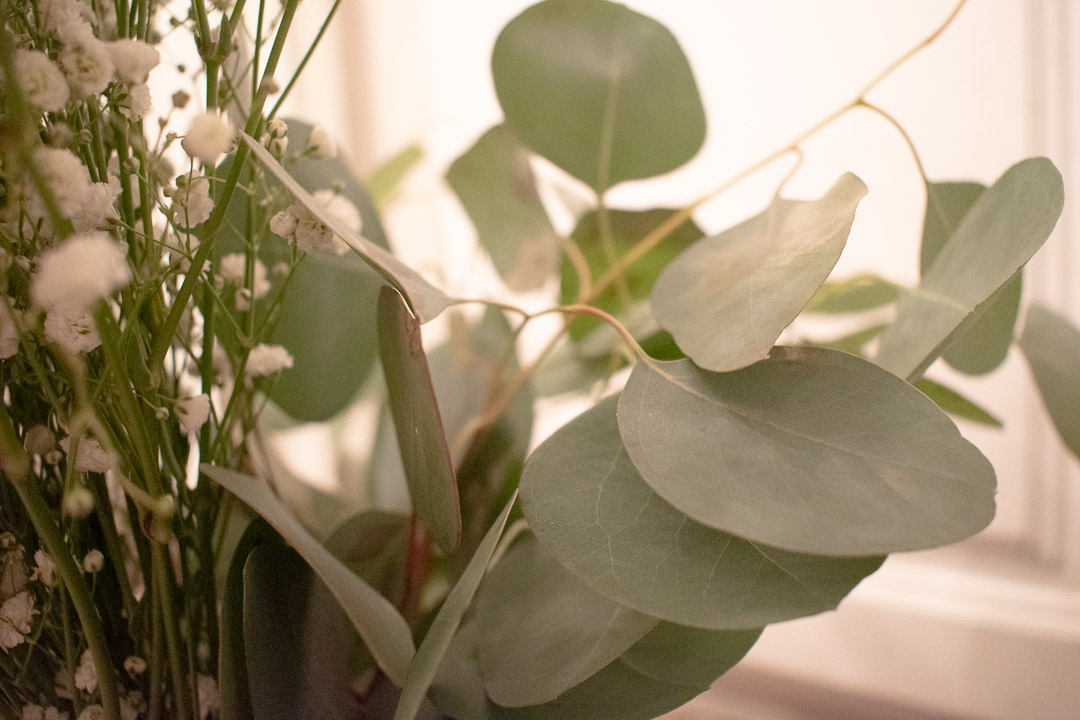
column 437, row 640
column 727, row 299
column 607, row 526
column 424, row 299
column 998, row 235
column 956, row 404
column 865, row 291
column 689, row 656
column 386, row 179
column 812, row 450
column 382, row 628
column 617, row 692
column 458, row 687
column 1051, row 345
column 985, row 344
column 601, row 91
column 625, row 230
column 543, row 631
column 496, row 185
column 425, row 455
column 374, row 545
column 854, row 342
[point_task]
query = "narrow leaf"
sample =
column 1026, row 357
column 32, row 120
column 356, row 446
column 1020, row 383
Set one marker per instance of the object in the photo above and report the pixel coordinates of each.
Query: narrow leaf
column 435, row 643
column 956, row 404
column 496, row 185
column 421, row 438
column 997, row 236
column 983, row 346
column 543, row 631
column 812, row 450
column 1051, row 345
column 607, row 526
column 601, row 91
column 424, row 299
column 382, row 628
column 727, row 299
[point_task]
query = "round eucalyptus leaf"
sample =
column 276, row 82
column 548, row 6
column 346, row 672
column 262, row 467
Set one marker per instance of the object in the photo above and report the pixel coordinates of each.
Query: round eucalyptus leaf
column 607, row 526
column 543, row 631
column 603, row 92
column 727, row 299
column 689, row 656
column 1051, row 345
column 812, row 450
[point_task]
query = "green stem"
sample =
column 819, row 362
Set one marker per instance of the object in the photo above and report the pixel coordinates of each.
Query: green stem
column 174, row 651
column 304, row 60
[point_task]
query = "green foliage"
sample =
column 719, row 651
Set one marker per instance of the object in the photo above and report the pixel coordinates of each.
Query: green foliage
column 429, row 471
column 601, row 91
column 757, row 276
column 1001, row 231
column 1051, row 345
column 496, row 186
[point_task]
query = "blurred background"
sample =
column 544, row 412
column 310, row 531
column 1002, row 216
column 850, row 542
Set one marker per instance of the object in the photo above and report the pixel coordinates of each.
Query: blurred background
column 989, row 629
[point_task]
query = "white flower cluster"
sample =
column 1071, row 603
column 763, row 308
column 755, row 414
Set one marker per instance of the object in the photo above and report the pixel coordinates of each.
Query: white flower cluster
column 301, row 226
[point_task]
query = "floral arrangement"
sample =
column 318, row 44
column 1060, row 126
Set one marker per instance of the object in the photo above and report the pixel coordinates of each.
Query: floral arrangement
column 158, row 267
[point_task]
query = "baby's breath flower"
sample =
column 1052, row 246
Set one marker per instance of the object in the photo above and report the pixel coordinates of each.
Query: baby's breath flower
column 39, row 440
column 93, row 712
column 234, row 268
column 41, row 80
column 91, row 456
column 81, row 271
column 13, row 571
column 94, row 561
column 71, row 327
column 341, row 208
column 97, row 207
column 208, row 137
column 77, row 502
column 16, row 615
column 133, row 59
column 192, row 412
column 67, row 178
column 137, row 102
column 45, row 569
column 321, row 143
column 283, row 224
column 191, row 201
column 86, row 673
column 86, row 62
column 264, row 360
column 63, row 16
column 209, row 697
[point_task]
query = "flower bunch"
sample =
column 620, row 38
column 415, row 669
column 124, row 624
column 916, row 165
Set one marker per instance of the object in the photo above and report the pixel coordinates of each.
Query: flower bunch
column 112, row 372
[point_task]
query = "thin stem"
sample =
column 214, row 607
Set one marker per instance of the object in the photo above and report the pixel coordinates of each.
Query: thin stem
column 304, row 60
column 174, row 651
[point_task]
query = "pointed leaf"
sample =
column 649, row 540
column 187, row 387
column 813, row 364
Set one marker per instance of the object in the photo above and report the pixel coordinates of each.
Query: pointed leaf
column 627, row 229
column 424, row 299
column 458, row 687
column 601, row 91
column 853, row 342
column 956, row 404
column 543, row 631
column 607, row 526
column 386, row 179
column 430, row 653
column 997, row 236
column 421, row 438
column 374, row 545
column 382, row 628
column 983, row 347
column 727, row 299
column 865, row 291
column 495, row 184
column 1051, row 345
column 812, row 450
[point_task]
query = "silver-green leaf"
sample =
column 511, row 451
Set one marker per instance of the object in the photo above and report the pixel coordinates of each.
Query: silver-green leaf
column 603, row 92
column 812, row 450
column 543, row 631
column 998, row 235
column 728, row 297
column 1051, row 345
column 607, row 526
